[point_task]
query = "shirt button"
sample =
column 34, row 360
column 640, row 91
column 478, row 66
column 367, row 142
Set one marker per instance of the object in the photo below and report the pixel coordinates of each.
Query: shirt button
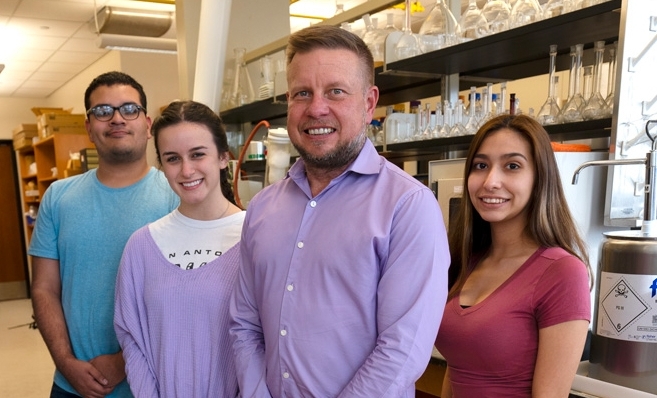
column 290, row 287
column 313, row 203
column 283, row 332
column 286, row 375
column 300, row 245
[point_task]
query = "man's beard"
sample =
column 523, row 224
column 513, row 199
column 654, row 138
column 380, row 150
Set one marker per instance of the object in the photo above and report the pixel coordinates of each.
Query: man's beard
column 120, row 155
column 339, row 157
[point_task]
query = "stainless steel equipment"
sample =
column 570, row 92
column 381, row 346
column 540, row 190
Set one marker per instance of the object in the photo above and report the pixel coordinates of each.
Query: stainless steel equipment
column 624, row 341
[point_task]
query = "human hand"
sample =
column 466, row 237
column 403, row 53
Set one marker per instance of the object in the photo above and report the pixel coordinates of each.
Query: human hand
column 112, row 366
column 87, row 380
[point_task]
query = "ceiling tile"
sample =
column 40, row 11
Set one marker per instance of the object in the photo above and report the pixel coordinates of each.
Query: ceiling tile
column 62, row 67
column 33, row 92
column 42, row 85
column 37, row 55
column 56, row 10
column 76, row 57
column 40, row 26
column 34, row 42
column 27, row 66
column 54, row 77
column 7, row 7
column 82, row 45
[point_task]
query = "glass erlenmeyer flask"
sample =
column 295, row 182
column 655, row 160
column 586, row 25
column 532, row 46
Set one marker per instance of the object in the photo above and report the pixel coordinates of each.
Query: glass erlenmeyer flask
column 458, row 128
column 497, row 14
column 611, row 81
column 525, row 12
column 550, row 112
column 242, row 90
column 572, row 111
column 595, row 105
column 408, row 44
column 473, row 23
column 439, row 29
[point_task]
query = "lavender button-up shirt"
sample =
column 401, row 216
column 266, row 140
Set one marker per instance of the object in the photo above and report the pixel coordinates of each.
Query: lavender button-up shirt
column 340, row 295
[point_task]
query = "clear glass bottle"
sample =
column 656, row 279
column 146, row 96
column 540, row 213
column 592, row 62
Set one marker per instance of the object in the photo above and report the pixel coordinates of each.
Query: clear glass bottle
column 390, row 23
column 242, row 89
column 595, row 105
column 572, row 111
column 458, row 129
column 525, row 12
column 408, row 44
column 440, row 28
column 473, row 23
column 497, row 14
column 611, row 81
column 550, row 112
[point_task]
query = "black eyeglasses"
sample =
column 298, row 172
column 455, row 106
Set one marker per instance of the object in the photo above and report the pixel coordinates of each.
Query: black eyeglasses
column 105, row 113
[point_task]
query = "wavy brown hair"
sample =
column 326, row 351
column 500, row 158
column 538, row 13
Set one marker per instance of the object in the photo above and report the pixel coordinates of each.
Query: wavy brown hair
column 550, row 222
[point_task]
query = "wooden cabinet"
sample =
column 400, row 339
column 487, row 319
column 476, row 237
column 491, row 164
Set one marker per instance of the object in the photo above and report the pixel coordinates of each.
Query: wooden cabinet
column 52, row 154
column 41, row 164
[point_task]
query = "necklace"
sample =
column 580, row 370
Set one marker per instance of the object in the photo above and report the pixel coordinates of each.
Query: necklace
column 226, row 209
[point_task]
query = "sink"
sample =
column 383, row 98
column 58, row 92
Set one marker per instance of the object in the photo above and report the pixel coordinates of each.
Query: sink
column 601, row 389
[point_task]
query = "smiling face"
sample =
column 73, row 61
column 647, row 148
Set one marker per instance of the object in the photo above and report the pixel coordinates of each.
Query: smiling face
column 330, row 105
column 192, row 164
column 501, row 178
column 118, row 141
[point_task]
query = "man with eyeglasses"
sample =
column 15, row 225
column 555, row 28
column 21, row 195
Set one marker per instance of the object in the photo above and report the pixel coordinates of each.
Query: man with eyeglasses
column 82, row 227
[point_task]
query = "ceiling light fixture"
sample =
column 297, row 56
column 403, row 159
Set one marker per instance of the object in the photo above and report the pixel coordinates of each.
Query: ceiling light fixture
column 135, row 30
column 136, row 43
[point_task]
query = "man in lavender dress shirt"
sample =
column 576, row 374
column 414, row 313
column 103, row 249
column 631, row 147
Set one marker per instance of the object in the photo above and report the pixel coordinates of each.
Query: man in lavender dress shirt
column 344, row 263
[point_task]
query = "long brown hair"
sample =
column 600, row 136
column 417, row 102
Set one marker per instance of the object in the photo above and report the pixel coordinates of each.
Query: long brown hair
column 550, row 222
column 195, row 112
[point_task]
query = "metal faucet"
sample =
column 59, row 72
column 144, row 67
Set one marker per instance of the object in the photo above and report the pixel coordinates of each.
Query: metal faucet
column 649, row 226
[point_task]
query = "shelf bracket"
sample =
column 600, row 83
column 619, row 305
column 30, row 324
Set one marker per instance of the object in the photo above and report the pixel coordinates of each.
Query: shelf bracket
column 633, row 62
column 647, row 105
column 653, row 23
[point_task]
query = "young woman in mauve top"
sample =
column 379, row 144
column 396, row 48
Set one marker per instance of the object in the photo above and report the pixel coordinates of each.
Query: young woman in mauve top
column 177, row 273
column 518, row 310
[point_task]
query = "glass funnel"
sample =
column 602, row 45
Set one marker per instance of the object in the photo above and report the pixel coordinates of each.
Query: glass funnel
column 439, row 29
column 242, row 89
column 525, row 12
column 473, row 23
column 497, row 14
column 572, row 111
column 550, row 112
column 595, row 105
column 408, row 44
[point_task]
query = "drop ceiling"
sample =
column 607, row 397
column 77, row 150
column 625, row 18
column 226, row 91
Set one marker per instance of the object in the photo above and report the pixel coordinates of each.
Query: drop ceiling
column 45, row 43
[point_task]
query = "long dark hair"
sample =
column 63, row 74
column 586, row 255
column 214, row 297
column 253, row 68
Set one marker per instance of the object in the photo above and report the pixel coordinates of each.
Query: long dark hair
column 550, row 222
column 195, row 112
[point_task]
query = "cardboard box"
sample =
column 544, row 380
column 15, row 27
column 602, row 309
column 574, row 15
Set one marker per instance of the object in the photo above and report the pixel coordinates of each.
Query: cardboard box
column 47, row 131
column 38, row 111
column 60, row 119
column 21, row 143
column 25, row 130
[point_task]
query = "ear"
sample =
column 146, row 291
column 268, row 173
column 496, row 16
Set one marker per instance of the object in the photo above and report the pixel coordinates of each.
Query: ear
column 223, row 160
column 371, row 99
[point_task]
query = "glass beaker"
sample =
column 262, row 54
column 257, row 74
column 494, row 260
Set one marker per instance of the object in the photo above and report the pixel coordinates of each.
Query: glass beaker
column 408, row 44
column 266, row 89
column 242, row 90
column 473, row 23
column 550, row 112
column 497, row 14
column 525, row 12
column 572, row 111
column 439, row 29
column 595, row 105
